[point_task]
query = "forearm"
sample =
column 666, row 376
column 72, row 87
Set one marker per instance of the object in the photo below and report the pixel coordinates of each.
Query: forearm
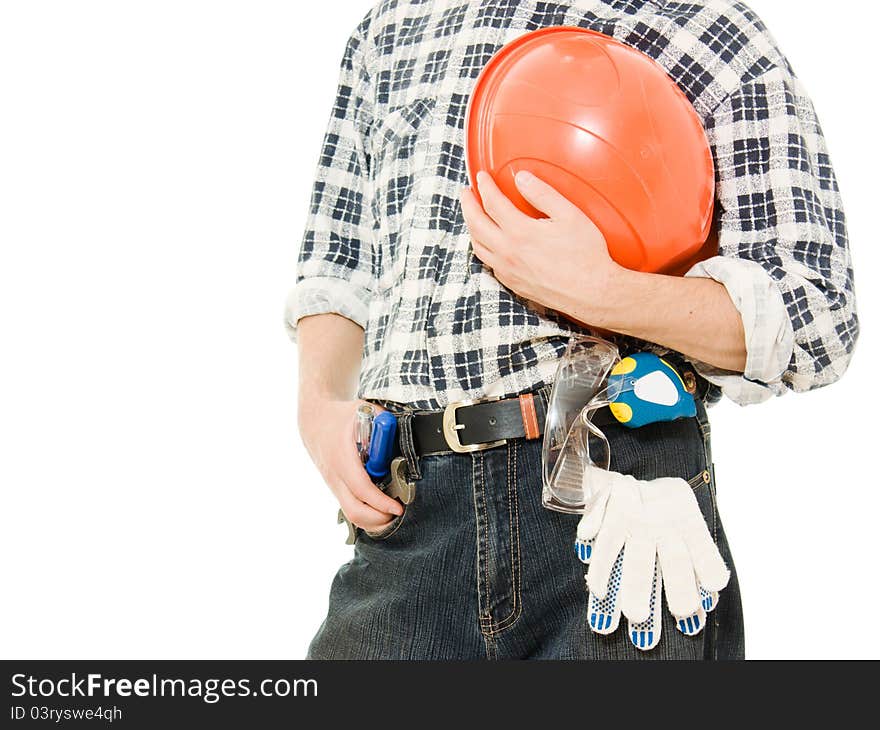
column 694, row 316
column 330, row 355
column 330, row 348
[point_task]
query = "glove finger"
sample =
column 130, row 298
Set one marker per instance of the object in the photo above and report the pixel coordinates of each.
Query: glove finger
column 709, row 599
column 591, row 522
column 584, row 550
column 638, row 578
column 712, row 572
column 645, row 635
column 692, row 625
column 679, row 579
column 606, row 552
column 604, row 613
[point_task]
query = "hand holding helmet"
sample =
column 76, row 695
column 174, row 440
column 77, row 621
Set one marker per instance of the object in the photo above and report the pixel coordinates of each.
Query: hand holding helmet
column 605, row 126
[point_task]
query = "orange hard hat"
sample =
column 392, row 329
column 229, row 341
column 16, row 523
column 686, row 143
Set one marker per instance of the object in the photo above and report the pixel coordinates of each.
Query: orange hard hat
column 607, row 127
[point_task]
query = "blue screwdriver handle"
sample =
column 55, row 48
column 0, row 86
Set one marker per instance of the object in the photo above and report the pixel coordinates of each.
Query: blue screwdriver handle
column 381, row 446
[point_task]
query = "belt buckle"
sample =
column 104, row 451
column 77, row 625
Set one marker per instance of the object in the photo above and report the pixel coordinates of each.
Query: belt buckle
column 451, row 428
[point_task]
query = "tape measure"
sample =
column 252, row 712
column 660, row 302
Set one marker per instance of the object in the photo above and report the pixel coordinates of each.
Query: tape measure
column 644, row 389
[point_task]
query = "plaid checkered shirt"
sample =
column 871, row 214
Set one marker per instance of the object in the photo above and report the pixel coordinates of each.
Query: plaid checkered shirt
column 385, row 243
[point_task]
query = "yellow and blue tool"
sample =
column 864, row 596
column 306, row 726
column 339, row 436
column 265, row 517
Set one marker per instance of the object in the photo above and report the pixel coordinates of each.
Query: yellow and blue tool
column 644, row 389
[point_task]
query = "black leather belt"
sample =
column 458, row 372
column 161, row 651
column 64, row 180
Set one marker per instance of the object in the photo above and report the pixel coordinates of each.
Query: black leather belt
column 470, row 426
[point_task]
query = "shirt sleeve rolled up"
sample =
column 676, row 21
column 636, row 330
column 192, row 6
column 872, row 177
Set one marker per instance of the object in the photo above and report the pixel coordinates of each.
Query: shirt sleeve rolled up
column 335, row 264
column 783, row 247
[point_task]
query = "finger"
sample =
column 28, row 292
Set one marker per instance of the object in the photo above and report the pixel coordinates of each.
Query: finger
column 604, row 613
column 497, row 205
column 483, row 254
column 358, row 482
column 384, row 526
column 712, row 572
column 545, row 198
column 589, row 524
column 679, row 579
column 584, row 550
column 363, row 515
column 638, row 579
column 692, row 625
column 709, row 599
column 368, row 493
column 587, row 528
column 645, row 635
column 480, row 225
column 606, row 552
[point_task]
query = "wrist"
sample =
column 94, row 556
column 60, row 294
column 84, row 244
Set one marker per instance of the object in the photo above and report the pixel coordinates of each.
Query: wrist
column 602, row 299
column 314, row 402
column 323, row 390
column 615, row 307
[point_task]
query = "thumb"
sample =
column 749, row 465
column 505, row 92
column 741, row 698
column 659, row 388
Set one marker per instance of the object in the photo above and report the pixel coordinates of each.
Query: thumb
column 544, row 197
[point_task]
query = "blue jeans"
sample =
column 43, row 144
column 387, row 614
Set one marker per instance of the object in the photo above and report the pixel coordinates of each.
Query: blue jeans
column 477, row 568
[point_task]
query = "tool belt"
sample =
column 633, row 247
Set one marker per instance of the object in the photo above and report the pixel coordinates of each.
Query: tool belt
column 470, row 426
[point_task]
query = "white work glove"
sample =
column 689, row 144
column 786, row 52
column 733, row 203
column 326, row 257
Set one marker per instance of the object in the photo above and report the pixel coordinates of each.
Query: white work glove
column 636, row 536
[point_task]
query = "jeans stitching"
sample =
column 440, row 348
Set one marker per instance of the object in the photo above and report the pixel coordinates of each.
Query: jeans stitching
column 491, row 648
column 513, row 528
column 478, row 469
column 706, row 432
column 699, row 480
column 715, row 538
column 516, row 556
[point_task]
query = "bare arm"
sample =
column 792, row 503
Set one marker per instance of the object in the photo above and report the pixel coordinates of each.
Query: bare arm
column 691, row 315
column 329, row 360
column 330, row 356
column 562, row 262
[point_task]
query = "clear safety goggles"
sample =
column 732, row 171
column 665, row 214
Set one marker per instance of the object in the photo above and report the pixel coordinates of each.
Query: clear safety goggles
column 578, row 391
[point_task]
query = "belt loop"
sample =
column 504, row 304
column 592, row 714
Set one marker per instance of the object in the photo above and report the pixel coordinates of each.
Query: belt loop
column 543, row 403
column 529, row 416
column 407, row 446
column 544, row 394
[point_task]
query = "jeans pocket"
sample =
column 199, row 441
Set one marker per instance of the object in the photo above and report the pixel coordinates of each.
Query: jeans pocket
column 703, row 490
column 701, row 480
column 398, row 476
column 389, row 530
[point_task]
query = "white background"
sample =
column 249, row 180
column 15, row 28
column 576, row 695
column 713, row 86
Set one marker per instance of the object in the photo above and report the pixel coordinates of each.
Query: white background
column 156, row 160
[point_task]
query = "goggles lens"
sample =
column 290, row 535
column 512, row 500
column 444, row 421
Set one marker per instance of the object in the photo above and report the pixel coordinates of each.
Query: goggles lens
column 568, row 448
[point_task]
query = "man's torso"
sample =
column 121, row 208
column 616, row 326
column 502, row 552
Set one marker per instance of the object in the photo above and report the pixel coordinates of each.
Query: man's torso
column 441, row 328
